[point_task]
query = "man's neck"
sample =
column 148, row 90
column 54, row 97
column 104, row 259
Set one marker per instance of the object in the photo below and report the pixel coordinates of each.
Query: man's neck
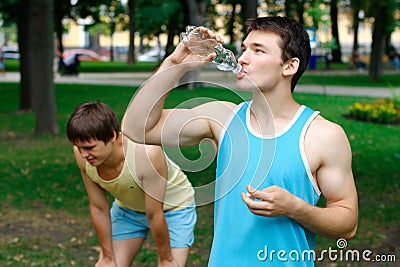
column 116, row 157
column 270, row 112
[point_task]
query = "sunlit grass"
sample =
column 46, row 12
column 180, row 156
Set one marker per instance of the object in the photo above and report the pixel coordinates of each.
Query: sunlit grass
column 41, row 183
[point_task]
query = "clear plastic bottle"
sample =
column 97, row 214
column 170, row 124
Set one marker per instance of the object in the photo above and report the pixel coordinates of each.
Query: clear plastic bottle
column 201, row 45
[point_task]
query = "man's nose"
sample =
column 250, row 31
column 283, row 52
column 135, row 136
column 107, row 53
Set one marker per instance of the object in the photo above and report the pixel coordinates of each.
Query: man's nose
column 84, row 153
column 243, row 58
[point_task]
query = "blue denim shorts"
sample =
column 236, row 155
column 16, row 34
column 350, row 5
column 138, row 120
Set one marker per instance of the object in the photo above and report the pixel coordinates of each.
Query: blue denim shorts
column 127, row 223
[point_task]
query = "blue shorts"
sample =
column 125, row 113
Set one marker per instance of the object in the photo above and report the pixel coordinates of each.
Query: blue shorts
column 127, row 224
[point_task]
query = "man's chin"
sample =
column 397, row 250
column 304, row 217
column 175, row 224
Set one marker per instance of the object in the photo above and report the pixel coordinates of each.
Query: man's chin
column 245, row 84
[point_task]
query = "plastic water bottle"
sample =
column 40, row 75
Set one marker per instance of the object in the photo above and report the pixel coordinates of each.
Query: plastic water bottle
column 200, row 44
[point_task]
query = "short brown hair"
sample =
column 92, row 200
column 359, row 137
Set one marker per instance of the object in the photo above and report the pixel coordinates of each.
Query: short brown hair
column 92, row 120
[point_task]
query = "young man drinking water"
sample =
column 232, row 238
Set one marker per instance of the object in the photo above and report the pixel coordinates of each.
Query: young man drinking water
column 283, row 154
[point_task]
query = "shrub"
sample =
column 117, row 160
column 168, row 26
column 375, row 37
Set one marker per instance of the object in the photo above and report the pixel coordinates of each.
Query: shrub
column 380, row 110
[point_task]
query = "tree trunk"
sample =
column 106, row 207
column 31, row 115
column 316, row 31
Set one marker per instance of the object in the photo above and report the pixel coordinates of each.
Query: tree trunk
column 288, row 8
column 195, row 17
column 251, row 9
column 41, row 48
column 231, row 25
column 132, row 29
column 300, row 11
column 356, row 23
column 248, row 10
column 25, row 34
column 94, row 41
column 172, row 30
column 336, row 51
column 58, row 28
column 378, row 42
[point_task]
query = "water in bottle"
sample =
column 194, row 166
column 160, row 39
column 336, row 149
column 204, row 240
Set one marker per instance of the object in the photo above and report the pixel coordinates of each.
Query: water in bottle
column 202, row 45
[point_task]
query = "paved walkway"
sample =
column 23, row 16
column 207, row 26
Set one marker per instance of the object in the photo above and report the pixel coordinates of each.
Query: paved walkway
column 226, row 79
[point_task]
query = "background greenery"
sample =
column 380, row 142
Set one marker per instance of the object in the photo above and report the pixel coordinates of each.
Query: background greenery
column 44, row 218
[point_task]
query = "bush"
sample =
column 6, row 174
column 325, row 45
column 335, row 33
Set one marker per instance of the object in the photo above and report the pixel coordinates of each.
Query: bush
column 381, row 110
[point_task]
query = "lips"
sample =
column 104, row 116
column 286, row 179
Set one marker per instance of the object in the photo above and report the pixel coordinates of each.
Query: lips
column 241, row 74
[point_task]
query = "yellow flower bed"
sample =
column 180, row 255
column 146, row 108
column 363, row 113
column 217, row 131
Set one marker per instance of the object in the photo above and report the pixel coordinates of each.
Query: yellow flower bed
column 381, row 110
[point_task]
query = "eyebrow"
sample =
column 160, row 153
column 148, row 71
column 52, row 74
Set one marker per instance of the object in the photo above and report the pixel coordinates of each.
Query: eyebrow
column 254, row 45
column 85, row 147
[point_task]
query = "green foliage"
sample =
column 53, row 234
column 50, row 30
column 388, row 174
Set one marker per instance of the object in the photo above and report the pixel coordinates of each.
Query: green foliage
column 317, row 13
column 231, row 47
column 87, row 8
column 112, row 18
column 152, row 17
column 9, row 10
column 332, row 44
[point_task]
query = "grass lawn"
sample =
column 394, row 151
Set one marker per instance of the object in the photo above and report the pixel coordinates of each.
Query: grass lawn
column 44, row 217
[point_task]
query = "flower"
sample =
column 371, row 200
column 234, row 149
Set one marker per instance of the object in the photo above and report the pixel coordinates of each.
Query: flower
column 380, row 110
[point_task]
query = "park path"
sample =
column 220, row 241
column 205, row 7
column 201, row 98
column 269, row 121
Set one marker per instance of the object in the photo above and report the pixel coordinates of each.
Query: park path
column 225, row 79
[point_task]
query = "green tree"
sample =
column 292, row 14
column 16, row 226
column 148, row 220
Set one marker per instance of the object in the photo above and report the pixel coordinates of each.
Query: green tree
column 114, row 18
column 35, row 24
column 75, row 10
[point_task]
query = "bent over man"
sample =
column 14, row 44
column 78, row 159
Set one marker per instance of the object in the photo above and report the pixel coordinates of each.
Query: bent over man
column 150, row 190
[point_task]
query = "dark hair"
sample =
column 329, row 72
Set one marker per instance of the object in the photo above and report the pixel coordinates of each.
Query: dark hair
column 295, row 40
column 92, row 120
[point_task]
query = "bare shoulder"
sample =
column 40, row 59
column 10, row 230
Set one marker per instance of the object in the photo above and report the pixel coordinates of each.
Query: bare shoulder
column 149, row 157
column 148, row 153
column 324, row 130
column 153, row 152
column 327, row 141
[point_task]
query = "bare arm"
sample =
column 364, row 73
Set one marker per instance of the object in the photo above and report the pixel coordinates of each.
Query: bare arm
column 146, row 120
column 335, row 178
column 99, row 212
column 152, row 170
column 334, row 175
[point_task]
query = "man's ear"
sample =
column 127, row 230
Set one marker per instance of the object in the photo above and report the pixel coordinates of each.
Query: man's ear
column 115, row 137
column 291, row 67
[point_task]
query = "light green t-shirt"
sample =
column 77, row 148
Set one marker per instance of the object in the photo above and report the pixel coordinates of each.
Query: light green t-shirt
column 127, row 190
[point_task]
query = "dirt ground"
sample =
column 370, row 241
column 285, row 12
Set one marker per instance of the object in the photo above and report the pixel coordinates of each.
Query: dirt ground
column 37, row 236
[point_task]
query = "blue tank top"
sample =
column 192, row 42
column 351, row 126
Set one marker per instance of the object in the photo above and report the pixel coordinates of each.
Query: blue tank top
column 240, row 237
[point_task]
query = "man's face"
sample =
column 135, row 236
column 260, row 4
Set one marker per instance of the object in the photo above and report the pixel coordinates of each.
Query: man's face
column 261, row 60
column 94, row 151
